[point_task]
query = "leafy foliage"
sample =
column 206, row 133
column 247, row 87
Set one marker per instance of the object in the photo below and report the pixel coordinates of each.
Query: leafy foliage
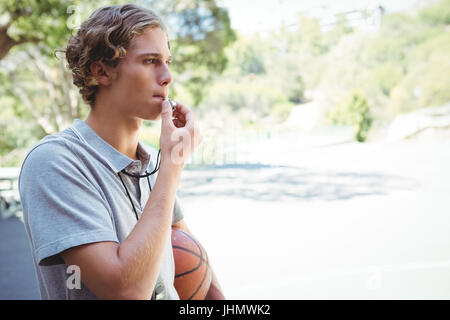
column 37, row 21
column 354, row 111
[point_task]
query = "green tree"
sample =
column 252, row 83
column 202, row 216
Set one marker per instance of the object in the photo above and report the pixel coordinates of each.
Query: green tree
column 354, row 111
column 33, row 21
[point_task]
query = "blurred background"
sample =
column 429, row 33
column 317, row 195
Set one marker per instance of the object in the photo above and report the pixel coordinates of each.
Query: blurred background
column 325, row 166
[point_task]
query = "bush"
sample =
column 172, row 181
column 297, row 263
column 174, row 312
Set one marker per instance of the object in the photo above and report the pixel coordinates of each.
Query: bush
column 354, row 111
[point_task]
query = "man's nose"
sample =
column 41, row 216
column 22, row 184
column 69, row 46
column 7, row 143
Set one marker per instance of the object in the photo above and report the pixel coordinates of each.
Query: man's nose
column 166, row 77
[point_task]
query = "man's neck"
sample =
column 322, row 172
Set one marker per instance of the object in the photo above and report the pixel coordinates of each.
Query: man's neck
column 120, row 132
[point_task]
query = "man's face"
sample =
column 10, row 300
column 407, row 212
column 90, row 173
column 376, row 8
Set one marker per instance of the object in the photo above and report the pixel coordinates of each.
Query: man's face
column 143, row 76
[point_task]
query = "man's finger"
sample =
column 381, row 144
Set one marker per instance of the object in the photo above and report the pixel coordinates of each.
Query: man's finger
column 166, row 114
column 184, row 111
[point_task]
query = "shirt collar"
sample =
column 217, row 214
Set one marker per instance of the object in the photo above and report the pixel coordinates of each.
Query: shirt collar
column 116, row 160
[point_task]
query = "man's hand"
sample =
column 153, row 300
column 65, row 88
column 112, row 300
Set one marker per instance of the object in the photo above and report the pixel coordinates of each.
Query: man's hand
column 180, row 134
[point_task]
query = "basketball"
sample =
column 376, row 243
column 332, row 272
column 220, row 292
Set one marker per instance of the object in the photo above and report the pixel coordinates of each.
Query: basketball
column 192, row 272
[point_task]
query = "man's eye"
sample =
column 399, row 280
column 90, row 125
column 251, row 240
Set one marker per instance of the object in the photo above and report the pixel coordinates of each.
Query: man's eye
column 156, row 61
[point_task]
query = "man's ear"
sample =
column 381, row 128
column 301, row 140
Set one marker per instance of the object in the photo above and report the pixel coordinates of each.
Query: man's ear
column 102, row 73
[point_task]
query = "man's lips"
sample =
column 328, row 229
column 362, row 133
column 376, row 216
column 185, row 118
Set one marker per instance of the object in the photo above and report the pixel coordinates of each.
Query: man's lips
column 159, row 97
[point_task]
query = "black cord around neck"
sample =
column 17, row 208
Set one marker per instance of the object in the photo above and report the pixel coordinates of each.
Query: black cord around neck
column 146, row 175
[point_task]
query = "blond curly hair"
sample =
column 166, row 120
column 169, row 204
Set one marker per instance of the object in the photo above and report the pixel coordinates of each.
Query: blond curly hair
column 105, row 37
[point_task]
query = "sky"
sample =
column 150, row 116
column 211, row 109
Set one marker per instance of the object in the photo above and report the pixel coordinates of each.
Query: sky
column 248, row 16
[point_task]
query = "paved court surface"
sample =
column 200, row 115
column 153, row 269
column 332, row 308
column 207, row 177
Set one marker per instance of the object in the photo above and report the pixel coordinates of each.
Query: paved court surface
column 17, row 277
column 349, row 221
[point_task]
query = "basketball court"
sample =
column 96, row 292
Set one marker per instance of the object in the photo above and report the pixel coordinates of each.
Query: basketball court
column 351, row 221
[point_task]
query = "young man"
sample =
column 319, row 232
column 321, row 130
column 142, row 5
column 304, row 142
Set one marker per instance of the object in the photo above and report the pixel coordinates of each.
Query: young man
column 90, row 194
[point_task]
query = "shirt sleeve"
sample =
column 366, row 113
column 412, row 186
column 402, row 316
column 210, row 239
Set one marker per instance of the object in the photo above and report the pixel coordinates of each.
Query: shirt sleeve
column 62, row 207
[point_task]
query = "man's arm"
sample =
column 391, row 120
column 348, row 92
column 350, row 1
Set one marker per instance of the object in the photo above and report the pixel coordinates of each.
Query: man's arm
column 130, row 270
column 215, row 291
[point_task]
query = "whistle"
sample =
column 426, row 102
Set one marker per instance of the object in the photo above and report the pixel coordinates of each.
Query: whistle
column 172, row 103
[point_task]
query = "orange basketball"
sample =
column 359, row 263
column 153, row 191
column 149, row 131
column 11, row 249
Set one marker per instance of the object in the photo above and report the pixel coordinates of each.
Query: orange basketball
column 192, row 272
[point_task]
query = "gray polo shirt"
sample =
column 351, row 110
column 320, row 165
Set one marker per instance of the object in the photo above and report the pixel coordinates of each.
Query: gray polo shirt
column 72, row 195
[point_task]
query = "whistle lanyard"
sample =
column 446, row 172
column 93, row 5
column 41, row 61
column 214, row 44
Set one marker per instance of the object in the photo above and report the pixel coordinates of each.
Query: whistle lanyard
column 146, row 175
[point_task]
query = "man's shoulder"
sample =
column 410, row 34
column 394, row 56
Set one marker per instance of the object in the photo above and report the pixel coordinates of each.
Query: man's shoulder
column 55, row 149
column 49, row 147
